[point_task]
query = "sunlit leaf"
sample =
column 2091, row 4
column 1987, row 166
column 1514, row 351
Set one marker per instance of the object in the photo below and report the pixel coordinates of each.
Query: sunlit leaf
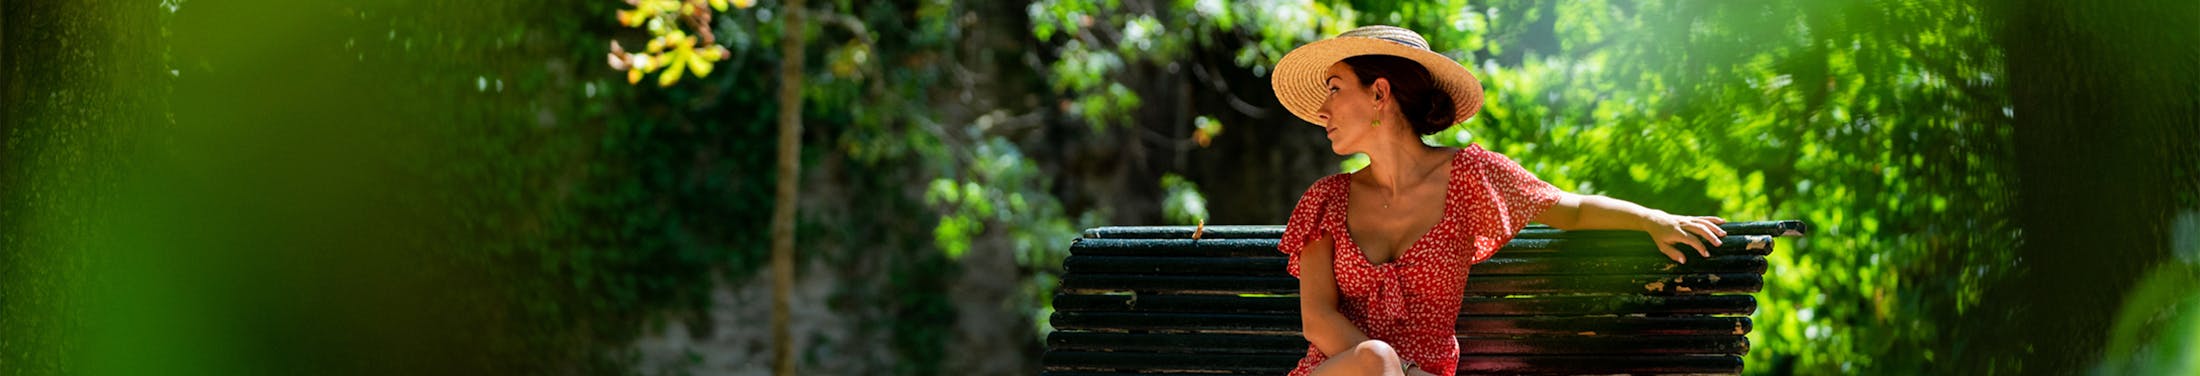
column 673, row 68
column 697, row 63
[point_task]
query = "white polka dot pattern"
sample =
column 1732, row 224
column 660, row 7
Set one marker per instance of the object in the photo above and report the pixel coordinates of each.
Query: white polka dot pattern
column 1413, row 301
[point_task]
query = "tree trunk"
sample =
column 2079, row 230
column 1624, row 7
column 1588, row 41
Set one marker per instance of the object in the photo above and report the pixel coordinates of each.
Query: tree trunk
column 790, row 170
column 2104, row 117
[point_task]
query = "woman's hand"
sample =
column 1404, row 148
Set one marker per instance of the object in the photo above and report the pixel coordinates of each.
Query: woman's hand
column 1668, row 230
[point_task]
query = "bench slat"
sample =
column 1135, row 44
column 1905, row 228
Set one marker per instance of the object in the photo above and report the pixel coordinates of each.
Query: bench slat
column 1767, row 228
column 1470, row 306
column 1294, row 344
column 1062, row 363
column 1469, row 326
column 1773, row 228
column 1566, row 247
column 1503, row 265
column 1478, row 285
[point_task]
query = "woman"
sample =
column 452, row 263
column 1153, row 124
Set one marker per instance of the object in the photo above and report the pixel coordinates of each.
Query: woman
column 1382, row 254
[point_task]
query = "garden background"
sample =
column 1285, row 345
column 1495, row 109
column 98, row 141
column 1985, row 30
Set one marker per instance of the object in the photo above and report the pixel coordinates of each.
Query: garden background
column 432, row 187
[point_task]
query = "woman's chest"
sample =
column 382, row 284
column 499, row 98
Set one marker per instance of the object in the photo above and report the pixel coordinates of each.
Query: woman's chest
column 1385, row 228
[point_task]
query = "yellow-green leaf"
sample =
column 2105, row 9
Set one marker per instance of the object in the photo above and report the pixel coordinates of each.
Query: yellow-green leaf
column 697, row 63
column 631, row 18
column 719, row 5
column 672, row 71
column 681, row 40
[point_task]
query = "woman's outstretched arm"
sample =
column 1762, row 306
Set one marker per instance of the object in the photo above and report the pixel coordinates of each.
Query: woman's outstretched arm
column 1323, row 325
column 1583, row 212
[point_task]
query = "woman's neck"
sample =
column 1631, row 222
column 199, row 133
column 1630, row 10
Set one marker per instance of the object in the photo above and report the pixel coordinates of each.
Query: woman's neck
column 1405, row 161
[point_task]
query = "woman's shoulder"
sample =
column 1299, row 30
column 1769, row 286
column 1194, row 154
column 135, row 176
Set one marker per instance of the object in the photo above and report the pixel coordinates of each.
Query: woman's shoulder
column 1328, row 184
column 1327, row 188
column 1475, row 155
column 1324, row 192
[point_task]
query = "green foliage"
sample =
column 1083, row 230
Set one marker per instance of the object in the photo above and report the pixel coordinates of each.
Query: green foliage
column 672, row 49
column 62, row 138
column 2157, row 326
column 894, row 100
column 1099, row 39
column 1182, row 204
column 540, row 215
column 2159, row 322
column 1205, row 129
column 1353, row 163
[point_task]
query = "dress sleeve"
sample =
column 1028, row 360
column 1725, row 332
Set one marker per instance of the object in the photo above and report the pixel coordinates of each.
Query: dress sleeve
column 1521, row 195
column 1306, row 222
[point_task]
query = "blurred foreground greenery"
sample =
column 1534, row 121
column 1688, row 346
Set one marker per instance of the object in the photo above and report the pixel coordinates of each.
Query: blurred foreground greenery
column 423, row 187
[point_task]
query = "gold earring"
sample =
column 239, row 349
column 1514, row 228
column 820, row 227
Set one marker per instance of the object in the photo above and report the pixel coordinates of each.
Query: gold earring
column 1378, row 123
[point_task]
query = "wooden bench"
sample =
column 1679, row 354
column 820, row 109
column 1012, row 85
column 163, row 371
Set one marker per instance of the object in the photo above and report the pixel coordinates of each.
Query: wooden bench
column 1146, row 300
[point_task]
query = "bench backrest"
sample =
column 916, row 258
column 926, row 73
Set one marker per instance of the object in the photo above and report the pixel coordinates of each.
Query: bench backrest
column 1156, row 300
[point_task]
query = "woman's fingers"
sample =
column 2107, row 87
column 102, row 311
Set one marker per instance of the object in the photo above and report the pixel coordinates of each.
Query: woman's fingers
column 1693, row 242
column 1708, row 231
column 1671, row 253
column 1677, row 236
column 1693, row 232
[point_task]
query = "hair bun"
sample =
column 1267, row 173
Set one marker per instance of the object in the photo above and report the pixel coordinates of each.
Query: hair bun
column 1441, row 112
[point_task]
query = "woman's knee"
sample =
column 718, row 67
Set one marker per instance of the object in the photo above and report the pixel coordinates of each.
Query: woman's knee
column 1367, row 356
column 1375, row 347
column 1376, row 353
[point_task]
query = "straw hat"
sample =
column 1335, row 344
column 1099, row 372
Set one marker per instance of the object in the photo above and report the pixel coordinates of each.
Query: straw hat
column 1299, row 76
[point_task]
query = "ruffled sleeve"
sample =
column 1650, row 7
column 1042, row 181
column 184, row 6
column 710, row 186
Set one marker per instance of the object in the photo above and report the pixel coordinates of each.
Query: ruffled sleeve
column 1307, row 221
column 1520, row 195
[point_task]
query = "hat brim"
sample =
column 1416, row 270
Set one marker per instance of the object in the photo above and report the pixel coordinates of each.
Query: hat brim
column 1299, row 76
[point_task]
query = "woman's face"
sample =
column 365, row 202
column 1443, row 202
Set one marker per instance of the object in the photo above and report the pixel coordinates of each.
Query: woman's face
column 1349, row 113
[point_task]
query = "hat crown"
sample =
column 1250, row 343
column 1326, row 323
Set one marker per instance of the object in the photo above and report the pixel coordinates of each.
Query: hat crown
column 1392, row 34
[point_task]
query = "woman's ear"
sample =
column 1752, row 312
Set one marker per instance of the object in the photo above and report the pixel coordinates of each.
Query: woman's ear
column 1381, row 88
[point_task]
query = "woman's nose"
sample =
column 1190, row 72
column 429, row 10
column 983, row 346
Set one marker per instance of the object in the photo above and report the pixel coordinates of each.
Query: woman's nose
column 1323, row 113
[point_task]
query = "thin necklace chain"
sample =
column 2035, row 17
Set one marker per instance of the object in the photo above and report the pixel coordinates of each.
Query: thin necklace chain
column 1394, row 192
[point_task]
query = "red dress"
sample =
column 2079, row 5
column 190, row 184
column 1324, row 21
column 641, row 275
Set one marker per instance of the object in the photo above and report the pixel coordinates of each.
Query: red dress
column 1412, row 302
